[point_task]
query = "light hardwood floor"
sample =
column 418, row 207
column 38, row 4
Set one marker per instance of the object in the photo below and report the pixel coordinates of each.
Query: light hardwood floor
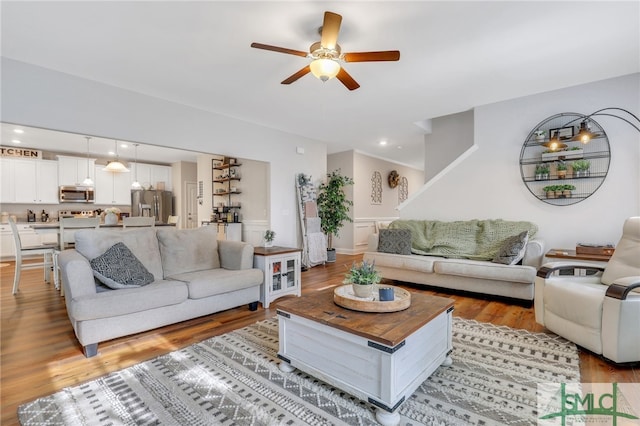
column 40, row 355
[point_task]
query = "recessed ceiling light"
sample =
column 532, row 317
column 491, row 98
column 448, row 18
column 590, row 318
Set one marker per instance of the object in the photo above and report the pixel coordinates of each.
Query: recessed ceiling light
column 383, row 143
column 399, row 146
column 16, row 141
column 111, row 153
column 124, row 145
column 19, row 131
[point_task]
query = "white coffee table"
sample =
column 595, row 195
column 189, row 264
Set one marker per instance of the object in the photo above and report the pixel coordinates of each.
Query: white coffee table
column 381, row 358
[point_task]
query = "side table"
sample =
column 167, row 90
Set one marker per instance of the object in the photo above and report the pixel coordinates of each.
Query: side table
column 570, row 254
column 281, row 267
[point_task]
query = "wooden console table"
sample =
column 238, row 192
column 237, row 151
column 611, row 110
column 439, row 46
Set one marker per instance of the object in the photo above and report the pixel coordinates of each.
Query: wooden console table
column 570, row 254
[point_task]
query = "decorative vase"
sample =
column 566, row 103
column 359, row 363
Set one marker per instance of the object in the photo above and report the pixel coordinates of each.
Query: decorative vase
column 362, row 290
column 111, row 219
column 268, row 243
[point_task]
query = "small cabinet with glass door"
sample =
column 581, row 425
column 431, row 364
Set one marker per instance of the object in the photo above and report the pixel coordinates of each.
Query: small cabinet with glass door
column 281, row 267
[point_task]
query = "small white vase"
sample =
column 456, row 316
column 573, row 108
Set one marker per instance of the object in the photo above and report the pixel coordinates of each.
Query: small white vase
column 268, row 243
column 110, row 219
column 362, row 290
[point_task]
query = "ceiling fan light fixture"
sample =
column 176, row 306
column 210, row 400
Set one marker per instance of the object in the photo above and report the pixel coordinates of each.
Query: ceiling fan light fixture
column 324, row 69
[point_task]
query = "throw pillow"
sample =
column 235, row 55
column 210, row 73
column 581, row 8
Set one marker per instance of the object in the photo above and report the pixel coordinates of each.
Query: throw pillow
column 512, row 249
column 119, row 268
column 396, row 241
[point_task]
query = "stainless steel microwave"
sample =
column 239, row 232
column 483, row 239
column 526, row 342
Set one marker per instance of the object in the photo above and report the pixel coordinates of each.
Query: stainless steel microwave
column 77, row 194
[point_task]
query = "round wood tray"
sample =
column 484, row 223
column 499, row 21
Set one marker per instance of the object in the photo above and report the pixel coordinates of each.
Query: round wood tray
column 344, row 296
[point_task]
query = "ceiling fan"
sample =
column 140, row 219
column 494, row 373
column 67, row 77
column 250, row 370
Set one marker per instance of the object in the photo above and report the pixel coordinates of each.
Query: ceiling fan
column 327, row 54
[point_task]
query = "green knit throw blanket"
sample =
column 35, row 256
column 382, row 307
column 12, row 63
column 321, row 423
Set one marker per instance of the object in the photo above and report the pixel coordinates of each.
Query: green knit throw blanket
column 470, row 239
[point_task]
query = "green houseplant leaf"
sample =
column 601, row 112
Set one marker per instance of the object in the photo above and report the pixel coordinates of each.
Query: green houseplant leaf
column 333, row 205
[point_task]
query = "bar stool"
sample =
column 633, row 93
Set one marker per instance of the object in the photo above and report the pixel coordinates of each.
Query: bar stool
column 47, row 251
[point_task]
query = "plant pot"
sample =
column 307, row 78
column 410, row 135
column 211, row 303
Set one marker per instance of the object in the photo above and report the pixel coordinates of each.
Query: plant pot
column 562, row 174
column 331, row 255
column 582, row 173
column 551, row 194
column 268, row 243
column 566, row 193
column 362, row 290
column 111, row 219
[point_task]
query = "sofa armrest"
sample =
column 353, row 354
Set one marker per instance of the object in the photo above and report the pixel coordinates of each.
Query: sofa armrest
column 621, row 287
column 77, row 275
column 235, row 254
column 534, row 253
column 547, row 269
column 372, row 242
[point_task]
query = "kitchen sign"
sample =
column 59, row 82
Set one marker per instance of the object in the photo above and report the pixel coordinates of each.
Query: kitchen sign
column 21, row 153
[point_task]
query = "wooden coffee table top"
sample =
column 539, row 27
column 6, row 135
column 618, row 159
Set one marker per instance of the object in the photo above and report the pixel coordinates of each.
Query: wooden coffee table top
column 389, row 328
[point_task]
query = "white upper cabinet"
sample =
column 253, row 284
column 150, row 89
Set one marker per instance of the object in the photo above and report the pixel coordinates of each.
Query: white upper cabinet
column 29, row 181
column 112, row 188
column 150, row 174
column 73, row 170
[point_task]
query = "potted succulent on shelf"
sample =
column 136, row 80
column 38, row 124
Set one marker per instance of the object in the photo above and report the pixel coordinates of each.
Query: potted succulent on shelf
column 333, row 208
column 566, row 190
column 363, row 277
column 581, row 168
column 269, row 235
column 561, row 169
column 550, row 191
column 542, row 172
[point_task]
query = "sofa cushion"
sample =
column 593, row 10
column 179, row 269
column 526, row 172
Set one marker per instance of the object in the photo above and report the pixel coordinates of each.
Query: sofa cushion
column 412, row 262
column 142, row 242
column 513, row 249
column 218, row 281
column 485, row 270
column 188, row 250
column 112, row 303
column 119, row 268
column 396, row 241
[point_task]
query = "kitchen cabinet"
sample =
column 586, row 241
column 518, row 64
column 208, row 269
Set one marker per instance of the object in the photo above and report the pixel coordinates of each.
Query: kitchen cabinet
column 73, row 170
column 150, row 174
column 281, row 267
column 112, row 188
column 29, row 181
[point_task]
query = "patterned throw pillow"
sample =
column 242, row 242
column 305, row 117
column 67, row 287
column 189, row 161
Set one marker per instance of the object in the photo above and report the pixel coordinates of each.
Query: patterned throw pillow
column 396, row 241
column 119, row 268
column 512, row 250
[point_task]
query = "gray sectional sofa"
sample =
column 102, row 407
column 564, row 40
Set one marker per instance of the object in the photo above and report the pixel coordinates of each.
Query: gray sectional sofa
column 191, row 273
column 462, row 255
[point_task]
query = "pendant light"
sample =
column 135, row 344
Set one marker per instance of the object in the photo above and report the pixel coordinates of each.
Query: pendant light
column 136, row 184
column 116, row 166
column 88, row 181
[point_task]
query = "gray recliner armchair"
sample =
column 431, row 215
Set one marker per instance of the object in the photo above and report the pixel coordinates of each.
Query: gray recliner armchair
column 599, row 311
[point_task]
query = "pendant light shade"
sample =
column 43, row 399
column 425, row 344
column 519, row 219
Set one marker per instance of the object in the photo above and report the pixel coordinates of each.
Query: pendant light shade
column 116, row 166
column 88, row 181
column 136, row 184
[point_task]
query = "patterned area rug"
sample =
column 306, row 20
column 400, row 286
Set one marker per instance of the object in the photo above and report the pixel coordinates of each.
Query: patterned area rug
column 233, row 379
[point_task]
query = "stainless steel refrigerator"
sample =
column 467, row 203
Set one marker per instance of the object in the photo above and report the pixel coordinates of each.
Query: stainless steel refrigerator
column 152, row 203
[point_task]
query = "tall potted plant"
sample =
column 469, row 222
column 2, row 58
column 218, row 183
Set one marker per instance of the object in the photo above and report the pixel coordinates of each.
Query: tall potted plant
column 333, row 208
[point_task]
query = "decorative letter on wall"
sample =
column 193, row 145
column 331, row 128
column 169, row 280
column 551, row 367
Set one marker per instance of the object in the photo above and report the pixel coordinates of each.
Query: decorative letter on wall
column 403, row 190
column 376, row 188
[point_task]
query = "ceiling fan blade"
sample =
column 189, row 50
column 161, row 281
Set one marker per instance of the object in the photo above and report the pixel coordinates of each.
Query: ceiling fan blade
column 330, row 30
column 279, row 49
column 304, row 71
column 387, row 55
column 347, row 80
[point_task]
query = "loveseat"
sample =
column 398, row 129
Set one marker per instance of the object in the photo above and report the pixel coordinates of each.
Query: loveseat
column 492, row 257
column 120, row 282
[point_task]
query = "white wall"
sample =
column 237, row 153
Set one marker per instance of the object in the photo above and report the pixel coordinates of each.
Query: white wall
column 35, row 96
column 487, row 184
column 450, row 136
column 360, row 167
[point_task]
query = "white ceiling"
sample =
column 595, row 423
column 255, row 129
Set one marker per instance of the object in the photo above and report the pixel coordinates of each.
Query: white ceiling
column 454, row 56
